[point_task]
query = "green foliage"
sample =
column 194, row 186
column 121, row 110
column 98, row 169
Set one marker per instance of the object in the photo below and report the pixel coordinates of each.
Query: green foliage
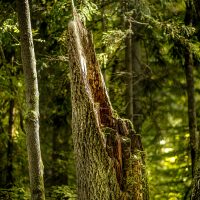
column 14, row 193
column 61, row 192
column 113, row 40
column 87, row 10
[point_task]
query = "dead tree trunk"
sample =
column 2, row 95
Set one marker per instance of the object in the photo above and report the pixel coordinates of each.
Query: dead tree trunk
column 106, row 160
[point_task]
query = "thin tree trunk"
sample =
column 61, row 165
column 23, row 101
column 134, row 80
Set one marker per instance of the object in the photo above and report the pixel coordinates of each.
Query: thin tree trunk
column 190, row 93
column 9, row 168
column 196, row 180
column 191, row 109
column 194, row 137
column 137, row 88
column 137, row 108
column 132, row 61
column 138, row 166
column 197, row 8
column 130, row 74
column 103, row 30
column 128, row 58
column 106, row 162
column 32, row 102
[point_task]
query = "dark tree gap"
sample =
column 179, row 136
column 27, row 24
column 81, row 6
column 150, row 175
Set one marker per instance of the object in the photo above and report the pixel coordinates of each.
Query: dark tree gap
column 9, row 168
column 108, row 162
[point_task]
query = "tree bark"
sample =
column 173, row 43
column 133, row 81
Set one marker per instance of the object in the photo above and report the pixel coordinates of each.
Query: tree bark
column 32, row 102
column 106, row 161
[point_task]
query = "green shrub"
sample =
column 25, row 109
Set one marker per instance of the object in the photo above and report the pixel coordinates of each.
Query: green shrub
column 14, row 194
column 61, row 193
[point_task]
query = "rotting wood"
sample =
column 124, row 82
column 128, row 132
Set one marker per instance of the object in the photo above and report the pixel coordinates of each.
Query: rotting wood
column 107, row 162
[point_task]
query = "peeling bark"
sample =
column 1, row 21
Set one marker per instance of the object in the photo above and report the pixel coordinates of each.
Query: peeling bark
column 106, row 160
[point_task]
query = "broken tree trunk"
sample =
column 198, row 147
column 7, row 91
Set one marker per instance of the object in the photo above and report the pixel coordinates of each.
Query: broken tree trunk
column 107, row 162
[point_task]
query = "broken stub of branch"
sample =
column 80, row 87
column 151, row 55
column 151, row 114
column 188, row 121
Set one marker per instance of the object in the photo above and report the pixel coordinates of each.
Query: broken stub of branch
column 106, row 146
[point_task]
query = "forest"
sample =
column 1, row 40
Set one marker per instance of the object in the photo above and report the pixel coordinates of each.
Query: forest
column 100, row 99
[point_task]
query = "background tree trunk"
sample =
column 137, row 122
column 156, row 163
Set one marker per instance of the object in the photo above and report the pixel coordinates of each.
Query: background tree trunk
column 197, row 8
column 191, row 110
column 137, row 87
column 134, row 87
column 32, row 100
column 103, row 21
column 137, row 107
column 190, row 92
column 192, row 17
column 128, row 57
column 130, row 74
